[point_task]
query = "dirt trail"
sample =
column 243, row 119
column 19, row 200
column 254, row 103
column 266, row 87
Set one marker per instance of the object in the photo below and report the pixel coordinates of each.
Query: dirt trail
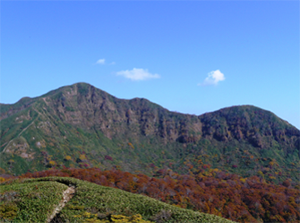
column 67, row 195
column 4, row 150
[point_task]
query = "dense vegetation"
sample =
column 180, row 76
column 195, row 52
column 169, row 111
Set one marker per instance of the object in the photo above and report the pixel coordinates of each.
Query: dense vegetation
column 241, row 162
column 33, row 200
column 30, row 200
column 212, row 191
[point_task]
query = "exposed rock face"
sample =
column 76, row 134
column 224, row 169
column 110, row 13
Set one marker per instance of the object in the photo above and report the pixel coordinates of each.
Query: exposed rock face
column 83, row 106
column 248, row 123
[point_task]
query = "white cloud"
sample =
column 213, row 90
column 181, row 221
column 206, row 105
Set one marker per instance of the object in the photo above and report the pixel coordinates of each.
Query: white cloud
column 101, row 61
column 213, row 78
column 112, row 63
column 137, row 74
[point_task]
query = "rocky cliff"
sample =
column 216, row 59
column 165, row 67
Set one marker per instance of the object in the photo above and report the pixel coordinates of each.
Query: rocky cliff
column 82, row 120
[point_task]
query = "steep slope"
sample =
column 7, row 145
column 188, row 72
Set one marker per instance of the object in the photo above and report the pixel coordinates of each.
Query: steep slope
column 80, row 125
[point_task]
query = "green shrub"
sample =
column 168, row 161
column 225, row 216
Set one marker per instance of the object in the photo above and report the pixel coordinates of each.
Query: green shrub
column 8, row 211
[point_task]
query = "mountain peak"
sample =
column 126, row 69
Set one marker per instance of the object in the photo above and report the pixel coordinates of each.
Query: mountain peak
column 81, row 119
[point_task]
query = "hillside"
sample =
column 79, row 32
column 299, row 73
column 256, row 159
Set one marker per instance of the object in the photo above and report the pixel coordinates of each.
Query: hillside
column 82, row 126
column 34, row 200
column 212, row 191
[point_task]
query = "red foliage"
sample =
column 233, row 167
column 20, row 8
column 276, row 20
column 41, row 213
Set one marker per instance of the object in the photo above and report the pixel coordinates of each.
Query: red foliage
column 225, row 194
column 286, row 183
column 108, row 158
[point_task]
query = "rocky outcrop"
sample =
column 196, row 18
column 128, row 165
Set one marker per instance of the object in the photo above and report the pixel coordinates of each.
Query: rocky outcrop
column 60, row 114
column 85, row 106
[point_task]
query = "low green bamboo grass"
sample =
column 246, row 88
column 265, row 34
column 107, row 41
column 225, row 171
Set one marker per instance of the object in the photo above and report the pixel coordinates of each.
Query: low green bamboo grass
column 29, row 201
column 90, row 203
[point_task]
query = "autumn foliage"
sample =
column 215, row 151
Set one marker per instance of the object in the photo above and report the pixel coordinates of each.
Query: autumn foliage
column 222, row 194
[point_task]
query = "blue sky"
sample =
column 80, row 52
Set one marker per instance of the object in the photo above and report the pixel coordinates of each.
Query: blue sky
column 188, row 56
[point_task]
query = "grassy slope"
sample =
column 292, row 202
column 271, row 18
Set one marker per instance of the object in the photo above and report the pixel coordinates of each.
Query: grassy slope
column 34, row 205
column 29, row 201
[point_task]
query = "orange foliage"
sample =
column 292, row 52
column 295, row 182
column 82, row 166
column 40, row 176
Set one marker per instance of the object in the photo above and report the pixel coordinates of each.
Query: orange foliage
column 130, row 144
column 227, row 195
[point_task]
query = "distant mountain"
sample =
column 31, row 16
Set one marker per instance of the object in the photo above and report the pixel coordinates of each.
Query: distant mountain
column 82, row 126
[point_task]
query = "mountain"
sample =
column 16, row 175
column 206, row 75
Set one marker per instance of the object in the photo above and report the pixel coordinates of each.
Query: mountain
column 82, row 126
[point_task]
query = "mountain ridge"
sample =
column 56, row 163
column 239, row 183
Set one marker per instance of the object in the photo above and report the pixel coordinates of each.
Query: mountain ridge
column 90, row 120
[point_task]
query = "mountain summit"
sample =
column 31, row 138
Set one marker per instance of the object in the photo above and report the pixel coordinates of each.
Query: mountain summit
column 80, row 125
